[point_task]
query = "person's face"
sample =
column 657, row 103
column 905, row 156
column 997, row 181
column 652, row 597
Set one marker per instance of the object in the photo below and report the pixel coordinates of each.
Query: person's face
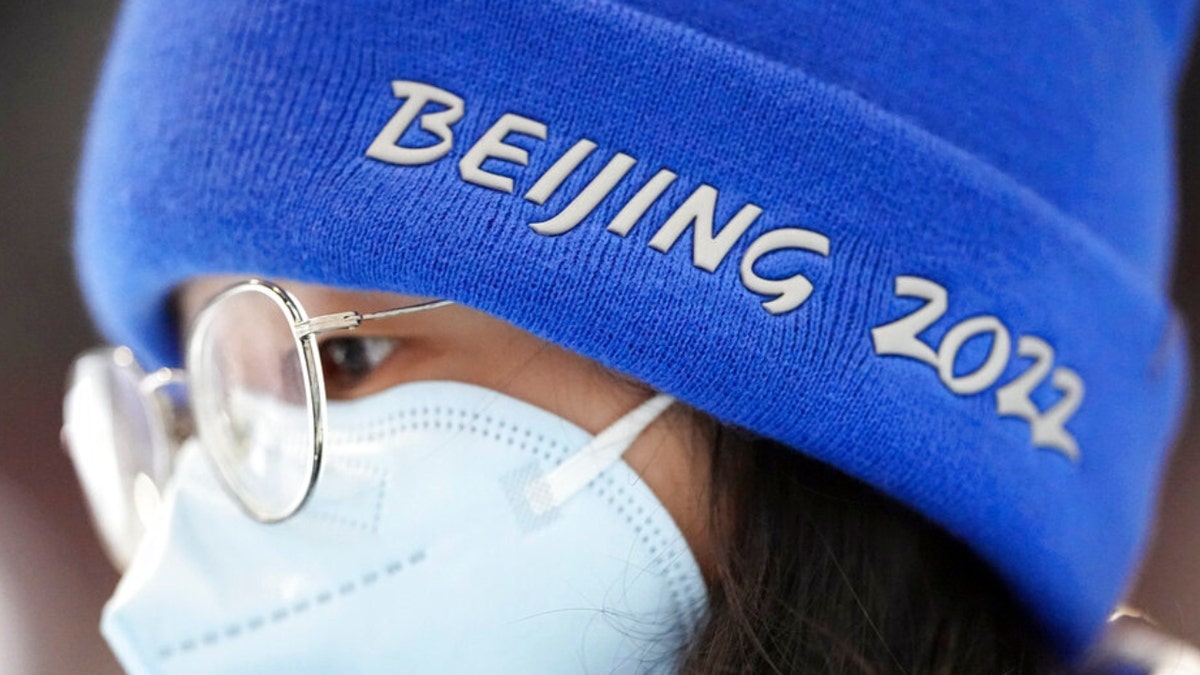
column 462, row 344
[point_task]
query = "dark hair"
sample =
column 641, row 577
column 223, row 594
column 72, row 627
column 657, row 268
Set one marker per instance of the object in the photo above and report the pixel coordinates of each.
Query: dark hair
column 819, row 573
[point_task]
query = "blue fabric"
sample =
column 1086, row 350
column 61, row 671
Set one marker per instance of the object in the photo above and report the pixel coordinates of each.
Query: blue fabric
column 1018, row 155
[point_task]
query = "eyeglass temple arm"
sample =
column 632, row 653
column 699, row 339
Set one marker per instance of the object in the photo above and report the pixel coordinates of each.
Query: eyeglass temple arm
column 341, row 321
column 389, row 313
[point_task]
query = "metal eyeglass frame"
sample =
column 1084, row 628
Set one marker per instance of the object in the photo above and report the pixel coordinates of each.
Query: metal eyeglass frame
column 167, row 414
column 305, row 330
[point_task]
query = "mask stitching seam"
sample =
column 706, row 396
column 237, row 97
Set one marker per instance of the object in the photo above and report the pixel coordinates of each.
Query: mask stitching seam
column 381, row 488
column 643, row 532
column 296, row 608
column 678, row 586
column 371, row 430
column 421, row 417
column 669, row 564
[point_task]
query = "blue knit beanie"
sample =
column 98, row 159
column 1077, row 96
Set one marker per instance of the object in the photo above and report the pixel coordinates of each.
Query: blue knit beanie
column 927, row 243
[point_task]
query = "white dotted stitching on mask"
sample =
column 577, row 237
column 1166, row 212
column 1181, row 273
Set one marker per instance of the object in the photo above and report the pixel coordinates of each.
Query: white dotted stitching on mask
column 255, row 623
column 384, row 479
column 335, row 519
column 371, row 526
column 678, row 584
column 657, row 543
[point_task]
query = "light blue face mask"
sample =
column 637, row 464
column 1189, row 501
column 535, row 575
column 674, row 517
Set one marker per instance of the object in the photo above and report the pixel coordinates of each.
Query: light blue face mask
column 453, row 530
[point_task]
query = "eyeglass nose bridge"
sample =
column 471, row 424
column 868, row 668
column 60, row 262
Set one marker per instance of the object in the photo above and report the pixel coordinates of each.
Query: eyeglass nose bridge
column 173, row 412
column 163, row 377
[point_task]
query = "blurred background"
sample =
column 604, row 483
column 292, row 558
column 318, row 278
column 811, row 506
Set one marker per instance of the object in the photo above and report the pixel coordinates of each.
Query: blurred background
column 53, row 576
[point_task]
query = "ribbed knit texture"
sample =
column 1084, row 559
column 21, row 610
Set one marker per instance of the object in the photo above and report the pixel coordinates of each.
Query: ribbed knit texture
column 1016, row 154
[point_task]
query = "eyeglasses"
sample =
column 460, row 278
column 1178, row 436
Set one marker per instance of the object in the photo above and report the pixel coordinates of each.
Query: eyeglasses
column 252, row 343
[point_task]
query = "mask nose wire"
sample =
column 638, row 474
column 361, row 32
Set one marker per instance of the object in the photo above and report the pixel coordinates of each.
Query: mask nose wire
column 551, row 490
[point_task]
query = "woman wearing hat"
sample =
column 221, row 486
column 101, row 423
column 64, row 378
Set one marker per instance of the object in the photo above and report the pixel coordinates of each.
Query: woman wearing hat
column 627, row 337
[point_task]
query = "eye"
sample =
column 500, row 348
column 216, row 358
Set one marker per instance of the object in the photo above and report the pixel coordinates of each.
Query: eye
column 347, row 362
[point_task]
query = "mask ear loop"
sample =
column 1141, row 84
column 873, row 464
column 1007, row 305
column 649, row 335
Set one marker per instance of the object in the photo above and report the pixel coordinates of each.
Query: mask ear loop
column 550, row 491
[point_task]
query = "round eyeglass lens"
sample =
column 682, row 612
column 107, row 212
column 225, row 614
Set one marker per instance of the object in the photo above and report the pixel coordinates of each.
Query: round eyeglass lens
column 114, row 432
column 252, row 398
